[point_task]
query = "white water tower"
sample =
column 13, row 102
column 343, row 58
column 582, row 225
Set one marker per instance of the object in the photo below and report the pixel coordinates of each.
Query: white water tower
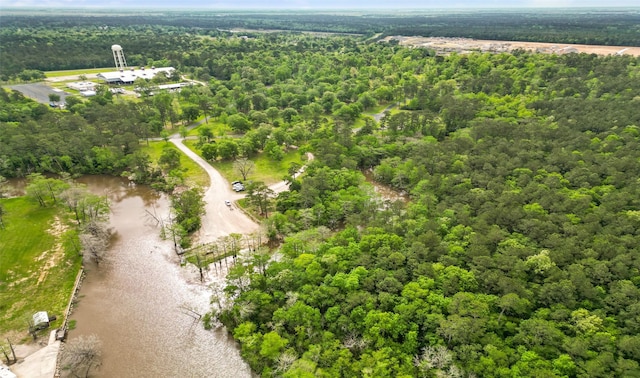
column 118, row 57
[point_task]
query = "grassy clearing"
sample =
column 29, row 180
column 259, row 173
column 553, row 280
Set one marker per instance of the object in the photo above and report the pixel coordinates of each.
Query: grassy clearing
column 358, row 123
column 193, row 173
column 38, row 265
column 266, row 169
column 218, row 128
column 376, row 109
column 86, row 71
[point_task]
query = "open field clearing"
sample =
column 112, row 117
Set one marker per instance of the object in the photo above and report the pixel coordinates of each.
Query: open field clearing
column 265, row 170
column 38, row 265
column 464, row 45
column 78, row 72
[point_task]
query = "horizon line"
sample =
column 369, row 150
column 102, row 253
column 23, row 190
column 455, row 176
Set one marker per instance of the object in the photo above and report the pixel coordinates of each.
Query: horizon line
column 106, row 7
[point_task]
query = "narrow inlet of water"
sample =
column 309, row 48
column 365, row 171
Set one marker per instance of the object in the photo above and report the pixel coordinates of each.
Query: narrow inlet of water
column 140, row 302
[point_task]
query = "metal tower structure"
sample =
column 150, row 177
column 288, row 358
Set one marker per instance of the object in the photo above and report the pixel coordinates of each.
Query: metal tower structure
column 118, row 57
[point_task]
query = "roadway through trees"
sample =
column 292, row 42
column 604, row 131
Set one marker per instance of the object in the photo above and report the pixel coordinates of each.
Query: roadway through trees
column 219, row 219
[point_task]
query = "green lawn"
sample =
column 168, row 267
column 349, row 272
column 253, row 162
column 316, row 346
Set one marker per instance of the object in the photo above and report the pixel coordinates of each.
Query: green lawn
column 358, row 123
column 38, row 265
column 85, row 71
column 376, row 109
column 218, row 128
column 266, row 169
column 194, row 174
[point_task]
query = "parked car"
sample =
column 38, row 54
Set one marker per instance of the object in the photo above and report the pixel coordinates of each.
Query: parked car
column 237, row 186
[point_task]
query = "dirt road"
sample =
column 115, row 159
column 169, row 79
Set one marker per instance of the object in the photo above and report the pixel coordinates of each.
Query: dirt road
column 219, row 219
column 282, row 186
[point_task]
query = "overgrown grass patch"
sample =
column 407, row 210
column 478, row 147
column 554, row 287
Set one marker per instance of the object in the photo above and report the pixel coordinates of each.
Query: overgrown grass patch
column 39, row 261
column 193, row 173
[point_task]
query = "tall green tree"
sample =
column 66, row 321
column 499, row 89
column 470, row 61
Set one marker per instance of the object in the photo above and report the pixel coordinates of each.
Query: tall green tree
column 260, row 196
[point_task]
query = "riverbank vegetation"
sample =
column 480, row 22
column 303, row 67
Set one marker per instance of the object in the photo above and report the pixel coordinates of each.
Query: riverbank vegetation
column 176, row 164
column 39, row 263
column 516, row 253
column 46, row 235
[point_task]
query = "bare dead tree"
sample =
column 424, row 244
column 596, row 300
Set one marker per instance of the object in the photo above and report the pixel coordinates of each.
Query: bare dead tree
column 244, row 166
column 154, row 216
column 13, row 351
column 94, row 248
column 190, row 311
column 94, row 240
column 80, row 356
column 87, row 207
column 438, row 358
column 6, row 356
column 285, row 360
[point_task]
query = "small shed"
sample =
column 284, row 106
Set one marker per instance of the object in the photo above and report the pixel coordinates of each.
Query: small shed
column 87, row 93
column 41, row 320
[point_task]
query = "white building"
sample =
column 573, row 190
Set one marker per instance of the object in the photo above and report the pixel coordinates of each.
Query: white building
column 82, row 85
column 129, row 76
column 88, row 93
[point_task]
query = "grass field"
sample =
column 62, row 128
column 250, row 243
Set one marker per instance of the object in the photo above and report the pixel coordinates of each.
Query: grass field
column 376, row 109
column 266, row 169
column 218, row 128
column 38, row 265
column 358, row 123
column 85, row 71
column 194, row 174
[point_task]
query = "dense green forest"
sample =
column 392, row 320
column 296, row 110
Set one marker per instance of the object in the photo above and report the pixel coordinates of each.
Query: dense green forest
column 514, row 255
column 53, row 40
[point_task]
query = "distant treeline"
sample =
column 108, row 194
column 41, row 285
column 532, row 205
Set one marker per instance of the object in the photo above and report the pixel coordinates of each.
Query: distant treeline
column 49, row 41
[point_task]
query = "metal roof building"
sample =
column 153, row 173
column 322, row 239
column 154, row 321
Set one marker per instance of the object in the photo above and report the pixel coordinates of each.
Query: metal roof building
column 129, row 76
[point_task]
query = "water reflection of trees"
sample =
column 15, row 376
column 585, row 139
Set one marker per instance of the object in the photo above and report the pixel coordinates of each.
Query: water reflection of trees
column 149, row 196
column 117, row 189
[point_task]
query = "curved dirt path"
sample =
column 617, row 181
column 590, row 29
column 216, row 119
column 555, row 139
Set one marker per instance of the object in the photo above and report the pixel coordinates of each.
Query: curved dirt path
column 378, row 116
column 219, row 219
column 282, row 186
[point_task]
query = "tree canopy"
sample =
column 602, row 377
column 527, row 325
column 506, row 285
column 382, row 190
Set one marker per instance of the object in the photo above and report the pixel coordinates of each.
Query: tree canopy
column 512, row 251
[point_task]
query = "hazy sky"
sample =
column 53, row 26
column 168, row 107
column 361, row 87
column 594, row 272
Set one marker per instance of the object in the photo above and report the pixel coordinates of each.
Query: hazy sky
column 318, row 4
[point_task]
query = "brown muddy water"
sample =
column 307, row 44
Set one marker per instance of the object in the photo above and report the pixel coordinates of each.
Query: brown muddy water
column 385, row 192
column 135, row 302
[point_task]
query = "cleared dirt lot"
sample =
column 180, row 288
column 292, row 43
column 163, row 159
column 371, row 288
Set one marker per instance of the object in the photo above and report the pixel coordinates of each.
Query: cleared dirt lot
column 465, row 45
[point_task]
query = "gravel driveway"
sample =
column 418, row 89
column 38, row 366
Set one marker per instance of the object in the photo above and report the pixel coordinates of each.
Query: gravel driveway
column 219, row 219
